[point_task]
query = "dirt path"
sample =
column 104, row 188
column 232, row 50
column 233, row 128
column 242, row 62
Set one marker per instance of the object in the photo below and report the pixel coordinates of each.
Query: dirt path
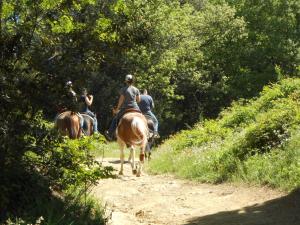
column 157, row 200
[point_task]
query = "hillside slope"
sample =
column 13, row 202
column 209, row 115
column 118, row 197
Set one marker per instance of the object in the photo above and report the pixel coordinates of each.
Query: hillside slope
column 256, row 141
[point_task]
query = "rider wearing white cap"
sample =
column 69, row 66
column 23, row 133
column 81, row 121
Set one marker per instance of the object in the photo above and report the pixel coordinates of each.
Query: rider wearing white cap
column 129, row 97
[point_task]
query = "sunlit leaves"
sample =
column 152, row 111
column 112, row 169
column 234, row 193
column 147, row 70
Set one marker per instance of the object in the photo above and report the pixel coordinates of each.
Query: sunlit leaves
column 120, row 7
column 104, row 30
column 50, row 4
column 7, row 9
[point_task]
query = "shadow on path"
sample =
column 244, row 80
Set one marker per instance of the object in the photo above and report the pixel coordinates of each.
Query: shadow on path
column 118, row 161
column 280, row 211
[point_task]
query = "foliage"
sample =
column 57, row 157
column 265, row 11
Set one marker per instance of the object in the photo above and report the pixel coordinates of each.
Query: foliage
column 42, row 161
column 194, row 57
column 244, row 143
column 73, row 209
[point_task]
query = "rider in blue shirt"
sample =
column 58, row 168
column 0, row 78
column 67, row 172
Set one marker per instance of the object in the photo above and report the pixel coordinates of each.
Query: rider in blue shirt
column 146, row 105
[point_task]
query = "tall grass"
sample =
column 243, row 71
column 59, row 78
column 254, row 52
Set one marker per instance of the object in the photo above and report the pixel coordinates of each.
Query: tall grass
column 254, row 141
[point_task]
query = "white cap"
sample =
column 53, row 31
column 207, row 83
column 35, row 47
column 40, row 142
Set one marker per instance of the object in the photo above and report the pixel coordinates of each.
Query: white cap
column 128, row 77
column 69, row 83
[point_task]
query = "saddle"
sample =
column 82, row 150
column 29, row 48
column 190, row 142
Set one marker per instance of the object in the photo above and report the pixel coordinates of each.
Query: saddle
column 132, row 110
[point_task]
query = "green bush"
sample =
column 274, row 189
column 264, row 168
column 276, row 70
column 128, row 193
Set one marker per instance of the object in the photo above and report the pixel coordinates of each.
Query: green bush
column 40, row 162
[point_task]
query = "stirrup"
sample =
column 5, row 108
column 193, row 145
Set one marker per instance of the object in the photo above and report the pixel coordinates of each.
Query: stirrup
column 107, row 136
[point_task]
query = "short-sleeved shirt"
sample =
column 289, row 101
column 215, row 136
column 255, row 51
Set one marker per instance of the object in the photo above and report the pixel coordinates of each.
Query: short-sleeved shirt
column 146, row 103
column 130, row 93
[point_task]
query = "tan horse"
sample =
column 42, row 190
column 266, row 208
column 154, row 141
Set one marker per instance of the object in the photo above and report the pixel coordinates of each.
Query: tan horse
column 68, row 124
column 132, row 132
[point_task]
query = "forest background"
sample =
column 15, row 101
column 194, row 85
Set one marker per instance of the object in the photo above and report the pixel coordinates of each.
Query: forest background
column 195, row 57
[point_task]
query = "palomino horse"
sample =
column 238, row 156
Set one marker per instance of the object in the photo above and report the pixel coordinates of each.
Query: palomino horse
column 68, row 124
column 132, row 132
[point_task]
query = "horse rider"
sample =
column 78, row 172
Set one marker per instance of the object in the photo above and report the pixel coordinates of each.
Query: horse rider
column 71, row 102
column 146, row 105
column 87, row 101
column 129, row 98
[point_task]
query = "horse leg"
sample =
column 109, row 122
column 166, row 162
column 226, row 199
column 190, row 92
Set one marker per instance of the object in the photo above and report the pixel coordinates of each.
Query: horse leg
column 122, row 147
column 130, row 156
column 132, row 153
column 147, row 152
column 142, row 159
column 78, row 132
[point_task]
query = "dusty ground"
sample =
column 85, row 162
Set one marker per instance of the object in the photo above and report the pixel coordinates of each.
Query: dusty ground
column 157, row 200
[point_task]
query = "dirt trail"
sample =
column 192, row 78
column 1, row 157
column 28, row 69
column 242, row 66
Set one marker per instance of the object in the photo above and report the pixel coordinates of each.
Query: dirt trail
column 158, row 200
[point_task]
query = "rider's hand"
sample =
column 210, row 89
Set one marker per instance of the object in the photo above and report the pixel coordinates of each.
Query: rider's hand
column 115, row 111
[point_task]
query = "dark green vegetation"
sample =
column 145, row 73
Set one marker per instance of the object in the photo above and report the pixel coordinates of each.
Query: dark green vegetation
column 256, row 141
column 195, row 58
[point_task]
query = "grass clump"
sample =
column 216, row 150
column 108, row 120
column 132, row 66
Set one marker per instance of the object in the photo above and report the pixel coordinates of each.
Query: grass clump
column 255, row 141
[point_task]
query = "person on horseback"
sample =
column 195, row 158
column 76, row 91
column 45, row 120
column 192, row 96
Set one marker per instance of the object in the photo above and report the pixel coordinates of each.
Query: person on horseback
column 146, row 105
column 70, row 98
column 71, row 102
column 129, row 98
column 87, row 101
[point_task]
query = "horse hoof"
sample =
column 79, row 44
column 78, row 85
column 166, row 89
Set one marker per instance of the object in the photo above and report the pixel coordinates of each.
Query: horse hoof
column 138, row 174
column 121, row 173
column 134, row 172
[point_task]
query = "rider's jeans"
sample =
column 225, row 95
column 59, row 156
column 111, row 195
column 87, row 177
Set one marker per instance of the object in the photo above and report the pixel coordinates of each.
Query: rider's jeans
column 91, row 114
column 154, row 119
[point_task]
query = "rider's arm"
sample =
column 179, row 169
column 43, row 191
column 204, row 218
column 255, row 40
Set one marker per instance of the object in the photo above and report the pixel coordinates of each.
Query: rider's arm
column 121, row 100
column 89, row 100
column 138, row 98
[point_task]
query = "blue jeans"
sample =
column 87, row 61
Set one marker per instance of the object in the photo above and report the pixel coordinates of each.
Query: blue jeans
column 95, row 124
column 154, row 119
column 114, row 123
column 81, row 121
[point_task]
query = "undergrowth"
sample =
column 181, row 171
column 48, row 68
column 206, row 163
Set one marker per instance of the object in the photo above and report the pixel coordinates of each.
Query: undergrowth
column 255, row 141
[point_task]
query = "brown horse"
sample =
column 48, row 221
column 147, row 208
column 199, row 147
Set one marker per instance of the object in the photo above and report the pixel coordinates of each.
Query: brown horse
column 68, row 124
column 132, row 132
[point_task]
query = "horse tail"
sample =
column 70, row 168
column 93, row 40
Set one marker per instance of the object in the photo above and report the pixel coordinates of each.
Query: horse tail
column 72, row 123
column 139, row 129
